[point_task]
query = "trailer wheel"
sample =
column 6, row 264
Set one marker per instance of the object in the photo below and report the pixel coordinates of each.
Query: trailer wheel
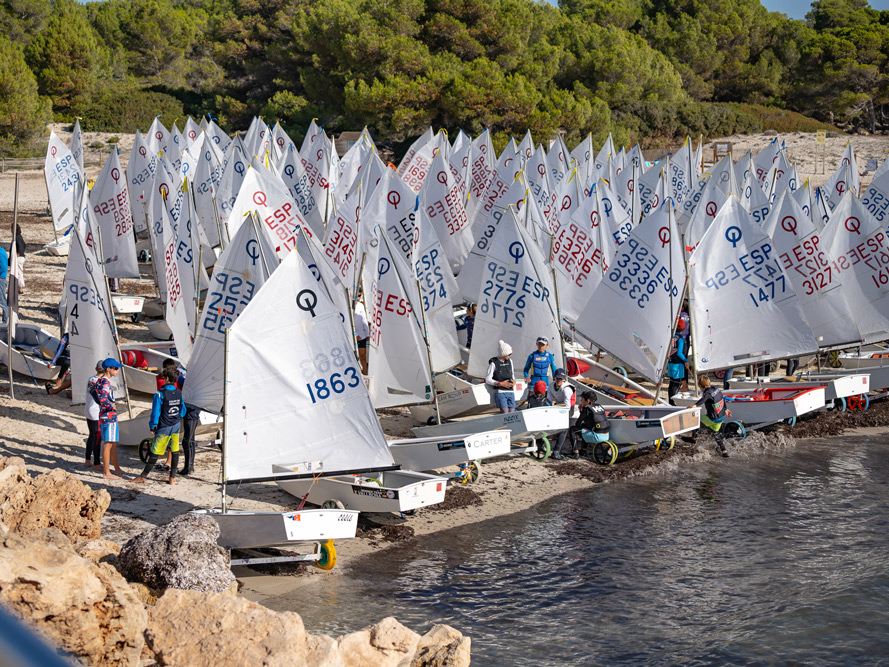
column 472, row 470
column 544, row 449
column 734, row 430
column 135, row 318
column 790, row 421
column 839, row 404
column 144, row 449
column 327, row 561
column 431, row 421
column 720, row 374
column 332, row 504
column 605, row 453
column 620, row 370
column 860, row 402
column 665, row 444
column 833, row 359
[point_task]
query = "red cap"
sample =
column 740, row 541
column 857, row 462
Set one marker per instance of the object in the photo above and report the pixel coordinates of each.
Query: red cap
column 680, row 325
column 540, row 386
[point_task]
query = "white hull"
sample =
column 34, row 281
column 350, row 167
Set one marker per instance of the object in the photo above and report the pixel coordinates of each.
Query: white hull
column 159, row 329
column 59, row 248
column 390, row 491
column 461, row 398
column 879, row 375
column 524, row 425
column 606, row 382
column 770, row 405
column 246, row 530
column 124, row 304
column 864, row 361
column 437, row 452
column 33, row 349
column 834, row 388
column 652, row 423
column 144, row 380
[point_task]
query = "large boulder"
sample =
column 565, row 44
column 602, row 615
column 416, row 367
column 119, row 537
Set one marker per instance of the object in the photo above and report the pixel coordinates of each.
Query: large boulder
column 228, row 630
column 180, row 554
column 53, row 500
column 442, row 646
column 86, row 608
column 388, row 644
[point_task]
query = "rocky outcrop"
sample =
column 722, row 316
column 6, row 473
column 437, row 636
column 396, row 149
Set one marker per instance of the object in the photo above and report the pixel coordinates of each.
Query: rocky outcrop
column 234, row 631
column 86, row 608
column 182, row 554
column 53, row 500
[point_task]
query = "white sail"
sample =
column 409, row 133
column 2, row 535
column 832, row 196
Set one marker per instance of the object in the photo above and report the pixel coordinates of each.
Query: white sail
column 754, row 200
column 88, row 313
column 77, row 144
column 294, row 176
column 421, row 141
column 158, row 136
column 876, row 199
column 205, row 183
column 763, row 161
column 176, row 311
column 416, row 171
column 140, row 176
column 267, row 195
column 858, row 247
column 341, row 244
column 242, row 268
column 236, row 162
column 319, row 161
column 805, row 261
column 313, row 256
column 111, row 207
column 188, row 251
column 713, row 198
column 398, row 366
column 516, row 299
column 632, row 311
column 442, row 203
column 679, row 173
column 481, row 170
column 744, row 307
column 64, row 181
column 308, row 408
column 458, row 164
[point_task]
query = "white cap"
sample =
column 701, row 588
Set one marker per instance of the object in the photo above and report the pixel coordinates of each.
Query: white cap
column 505, row 348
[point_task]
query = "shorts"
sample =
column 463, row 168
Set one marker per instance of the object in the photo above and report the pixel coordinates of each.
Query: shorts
column 505, row 400
column 709, row 423
column 165, row 437
column 109, row 432
column 363, row 343
column 592, row 437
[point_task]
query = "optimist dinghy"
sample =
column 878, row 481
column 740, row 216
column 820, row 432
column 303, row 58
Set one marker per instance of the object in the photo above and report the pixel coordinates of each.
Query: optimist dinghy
column 60, row 247
column 765, row 405
column 440, row 452
column 524, row 425
column 461, row 398
column 32, row 351
column 837, row 390
column 141, row 364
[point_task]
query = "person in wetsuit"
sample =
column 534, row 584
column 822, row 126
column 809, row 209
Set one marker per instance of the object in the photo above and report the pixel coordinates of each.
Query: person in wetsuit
column 540, row 363
column 677, row 363
column 715, row 411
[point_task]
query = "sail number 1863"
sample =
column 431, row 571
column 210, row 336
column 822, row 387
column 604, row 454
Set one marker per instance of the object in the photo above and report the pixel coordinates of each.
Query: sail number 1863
column 324, row 388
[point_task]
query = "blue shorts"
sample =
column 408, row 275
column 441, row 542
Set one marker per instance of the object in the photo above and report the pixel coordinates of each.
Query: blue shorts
column 505, row 400
column 592, row 437
column 109, row 432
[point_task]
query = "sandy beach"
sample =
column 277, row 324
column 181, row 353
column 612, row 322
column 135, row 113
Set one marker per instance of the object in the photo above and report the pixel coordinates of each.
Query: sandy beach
column 48, row 432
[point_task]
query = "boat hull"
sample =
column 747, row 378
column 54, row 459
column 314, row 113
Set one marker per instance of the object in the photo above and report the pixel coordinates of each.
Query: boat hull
column 144, row 380
column 765, row 405
column 251, row 530
column 390, row 491
column 460, row 398
column 125, row 304
column 524, row 425
column 843, row 386
column 131, row 432
column 652, row 423
column 441, row 452
column 33, row 349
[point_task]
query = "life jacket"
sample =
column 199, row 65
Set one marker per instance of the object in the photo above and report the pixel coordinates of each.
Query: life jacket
column 541, row 364
column 502, row 369
column 714, row 401
column 171, row 407
column 674, row 349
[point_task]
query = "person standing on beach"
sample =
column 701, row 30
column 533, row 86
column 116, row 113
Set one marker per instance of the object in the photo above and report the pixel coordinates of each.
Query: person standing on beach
column 103, row 394
column 362, row 333
column 561, row 394
column 500, row 376
column 19, row 267
column 165, row 421
column 540, row 363
column 677, row 362
column 91, row 411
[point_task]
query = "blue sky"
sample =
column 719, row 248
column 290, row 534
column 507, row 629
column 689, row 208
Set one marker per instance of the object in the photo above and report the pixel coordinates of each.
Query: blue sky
column 798, row 9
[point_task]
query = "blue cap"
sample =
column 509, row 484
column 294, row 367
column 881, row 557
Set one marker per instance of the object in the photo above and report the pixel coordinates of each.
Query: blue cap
column 111, row 362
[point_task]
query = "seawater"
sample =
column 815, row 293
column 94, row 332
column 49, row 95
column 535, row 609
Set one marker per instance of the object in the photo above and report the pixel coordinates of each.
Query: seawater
column 770, row 559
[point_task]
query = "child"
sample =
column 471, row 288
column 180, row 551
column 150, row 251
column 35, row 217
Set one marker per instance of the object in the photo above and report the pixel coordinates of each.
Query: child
column 165, row 421
column 538, row 398
column 593, row 420
column 103, row 394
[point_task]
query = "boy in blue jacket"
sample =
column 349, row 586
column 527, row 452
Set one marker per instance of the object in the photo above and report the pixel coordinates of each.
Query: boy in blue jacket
column 165, row 421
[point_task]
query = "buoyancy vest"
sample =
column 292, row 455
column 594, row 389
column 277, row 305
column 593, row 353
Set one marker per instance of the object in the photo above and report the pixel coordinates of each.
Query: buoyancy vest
column 714, row 401
column 171, row 407
column 502, row 369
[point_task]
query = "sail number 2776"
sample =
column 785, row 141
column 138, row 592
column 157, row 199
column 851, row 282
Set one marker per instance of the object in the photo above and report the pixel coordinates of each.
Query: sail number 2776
column 324, row 388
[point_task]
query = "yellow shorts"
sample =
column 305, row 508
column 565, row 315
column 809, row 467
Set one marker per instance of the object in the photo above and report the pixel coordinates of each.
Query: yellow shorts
column 164, row 440
column 709, row 423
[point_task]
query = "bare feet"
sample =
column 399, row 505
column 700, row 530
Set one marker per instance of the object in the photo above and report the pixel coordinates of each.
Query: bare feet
column 139, row 480
column 172, row 480
column 97, row 466
column 110, row 476
column 119, row 471
column 88, row 464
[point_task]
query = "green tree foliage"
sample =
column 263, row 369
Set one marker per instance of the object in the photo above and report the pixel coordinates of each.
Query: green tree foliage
column 67, row 56
column 20, row 20
column 23, row 113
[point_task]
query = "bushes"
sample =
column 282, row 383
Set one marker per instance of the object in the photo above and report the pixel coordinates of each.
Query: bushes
column 124, row 107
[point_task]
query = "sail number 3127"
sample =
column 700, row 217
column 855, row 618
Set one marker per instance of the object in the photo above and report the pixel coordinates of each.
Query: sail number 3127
column 324, row 388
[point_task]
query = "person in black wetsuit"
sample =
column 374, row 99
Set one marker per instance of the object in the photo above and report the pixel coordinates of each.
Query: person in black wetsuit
column 715, row 412
column 592, row 424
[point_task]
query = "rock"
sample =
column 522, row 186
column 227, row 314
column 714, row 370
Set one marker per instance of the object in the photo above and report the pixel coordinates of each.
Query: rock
column 55, row 499
column 322, row 651
column 85, row 608
column 98, row 551
column 770, row 133
column 181, row 554
column 386, row 643
column 147, row 596
column 442, row 645
column 228, row 631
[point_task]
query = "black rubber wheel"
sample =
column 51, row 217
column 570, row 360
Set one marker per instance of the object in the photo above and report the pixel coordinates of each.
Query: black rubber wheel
column 431, row 421
column 605, row 453
column 544, row 449
column 144, row 449
column 734, row 429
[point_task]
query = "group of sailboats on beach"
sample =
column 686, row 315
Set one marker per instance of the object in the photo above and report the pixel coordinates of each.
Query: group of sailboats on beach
column 595, row 252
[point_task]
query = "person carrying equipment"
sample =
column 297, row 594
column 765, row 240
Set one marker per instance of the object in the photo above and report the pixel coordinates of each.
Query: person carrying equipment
column 715, row 412
column 165, row 422
column 542, row 362
column 677, row 363
column 500, row 376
